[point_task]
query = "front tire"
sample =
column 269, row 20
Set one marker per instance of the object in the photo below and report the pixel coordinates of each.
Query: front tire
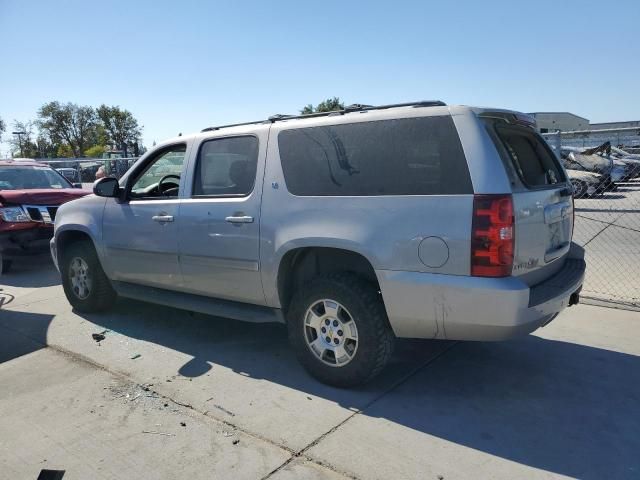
column 84, row 282
column 5, row 265
column 339, row 329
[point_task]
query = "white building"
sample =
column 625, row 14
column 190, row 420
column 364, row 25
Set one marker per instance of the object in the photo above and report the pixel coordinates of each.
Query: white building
column 552, row 121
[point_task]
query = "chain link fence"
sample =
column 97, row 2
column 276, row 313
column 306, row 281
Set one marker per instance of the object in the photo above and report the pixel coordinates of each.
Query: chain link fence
column 606, row 182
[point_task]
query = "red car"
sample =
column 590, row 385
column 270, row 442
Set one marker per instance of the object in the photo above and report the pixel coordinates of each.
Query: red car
column 30, row 194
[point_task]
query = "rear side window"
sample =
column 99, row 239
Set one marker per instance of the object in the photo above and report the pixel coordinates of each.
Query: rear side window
column 414, row 156
column 226, row 166
column 530, row 156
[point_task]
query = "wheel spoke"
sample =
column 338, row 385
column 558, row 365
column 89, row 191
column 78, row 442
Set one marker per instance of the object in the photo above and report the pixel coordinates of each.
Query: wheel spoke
column 318, row 347
column 350, row 331
column 312, row 320
column 342, row 356
column 331, row 308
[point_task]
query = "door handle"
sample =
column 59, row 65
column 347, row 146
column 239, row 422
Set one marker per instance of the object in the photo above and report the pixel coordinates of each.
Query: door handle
column 240, row 219
column 162, row 218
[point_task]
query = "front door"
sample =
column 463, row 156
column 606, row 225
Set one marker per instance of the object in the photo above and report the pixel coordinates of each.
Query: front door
column 219, row 222
column 140, row 233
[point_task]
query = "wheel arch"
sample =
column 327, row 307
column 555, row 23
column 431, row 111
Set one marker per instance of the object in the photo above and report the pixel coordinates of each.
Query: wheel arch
column 70, row 235
column 299, row 265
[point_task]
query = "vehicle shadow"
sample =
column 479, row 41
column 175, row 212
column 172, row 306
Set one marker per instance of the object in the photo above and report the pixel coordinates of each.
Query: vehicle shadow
column 31, row 272
column 565, row 408
column 14, row 344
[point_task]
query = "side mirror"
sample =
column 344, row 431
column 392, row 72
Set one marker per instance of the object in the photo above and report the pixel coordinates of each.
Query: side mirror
column 106, row 187
column 77, row 185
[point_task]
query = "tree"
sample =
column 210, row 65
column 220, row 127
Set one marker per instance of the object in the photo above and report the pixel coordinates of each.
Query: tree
column 23, row 145
column 328, row 105
column 2, row 128
column 94, row 152
column 69, row 124
column 120, row 127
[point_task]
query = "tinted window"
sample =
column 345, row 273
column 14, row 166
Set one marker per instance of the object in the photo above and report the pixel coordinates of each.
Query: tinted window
column 535, row 163
column 21, row 178
column 415, row 156
column 226, row 166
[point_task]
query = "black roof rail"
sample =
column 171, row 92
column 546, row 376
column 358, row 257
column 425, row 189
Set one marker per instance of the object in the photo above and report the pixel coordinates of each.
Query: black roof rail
column 356, row 107
column 211, row 129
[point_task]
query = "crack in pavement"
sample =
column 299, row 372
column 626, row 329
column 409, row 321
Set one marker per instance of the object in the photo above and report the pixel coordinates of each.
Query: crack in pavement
column 301, row 452
column 294, row 454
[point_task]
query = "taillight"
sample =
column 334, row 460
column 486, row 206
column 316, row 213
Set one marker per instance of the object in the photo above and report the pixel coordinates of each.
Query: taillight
column 492, row 236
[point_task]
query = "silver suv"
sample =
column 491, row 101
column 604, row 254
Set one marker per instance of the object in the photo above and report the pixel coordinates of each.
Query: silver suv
column 353, row 228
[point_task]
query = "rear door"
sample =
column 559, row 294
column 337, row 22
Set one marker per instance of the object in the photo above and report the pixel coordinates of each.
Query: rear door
column 543, row 204
column 220, row 221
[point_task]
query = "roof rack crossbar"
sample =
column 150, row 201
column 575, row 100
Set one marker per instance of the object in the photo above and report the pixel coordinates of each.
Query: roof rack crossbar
column 357, row 107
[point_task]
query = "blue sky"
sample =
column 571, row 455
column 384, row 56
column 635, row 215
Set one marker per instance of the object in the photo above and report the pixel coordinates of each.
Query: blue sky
column 183, row 65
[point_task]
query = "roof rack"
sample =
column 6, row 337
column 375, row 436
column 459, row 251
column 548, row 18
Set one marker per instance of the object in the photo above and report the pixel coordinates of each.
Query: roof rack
column 356, row 107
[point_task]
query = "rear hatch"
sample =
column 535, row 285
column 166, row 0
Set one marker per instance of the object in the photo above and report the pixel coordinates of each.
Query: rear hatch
column 542, row 200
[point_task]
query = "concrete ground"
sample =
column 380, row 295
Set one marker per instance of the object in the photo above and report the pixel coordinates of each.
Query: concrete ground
column 167, row 394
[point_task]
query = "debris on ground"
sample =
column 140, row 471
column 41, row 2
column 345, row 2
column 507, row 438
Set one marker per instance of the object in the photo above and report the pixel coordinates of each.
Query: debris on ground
column 153, row 432
column 236, row 441
column 98, row 337
column 228, row 412
column 227, row 434
column 137, row 355
column 183, row 424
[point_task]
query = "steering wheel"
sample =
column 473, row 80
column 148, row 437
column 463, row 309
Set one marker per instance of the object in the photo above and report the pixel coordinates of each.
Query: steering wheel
column 161, row 182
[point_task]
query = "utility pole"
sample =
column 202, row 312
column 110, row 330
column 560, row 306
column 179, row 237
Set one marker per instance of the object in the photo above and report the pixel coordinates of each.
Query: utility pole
column 19, row 134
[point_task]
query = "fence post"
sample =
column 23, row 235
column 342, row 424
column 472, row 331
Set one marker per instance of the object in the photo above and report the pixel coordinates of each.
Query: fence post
column 558, row 144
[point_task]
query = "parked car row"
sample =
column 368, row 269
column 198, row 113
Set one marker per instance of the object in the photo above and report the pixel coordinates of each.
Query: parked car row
column 597, row 170
column 30, row 194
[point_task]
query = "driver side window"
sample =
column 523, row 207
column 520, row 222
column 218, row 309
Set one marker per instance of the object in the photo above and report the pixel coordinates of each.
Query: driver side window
column 161, row 177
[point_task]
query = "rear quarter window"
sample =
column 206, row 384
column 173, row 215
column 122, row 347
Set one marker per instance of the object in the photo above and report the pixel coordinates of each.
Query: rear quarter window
column 414, row 156
column 534, row 162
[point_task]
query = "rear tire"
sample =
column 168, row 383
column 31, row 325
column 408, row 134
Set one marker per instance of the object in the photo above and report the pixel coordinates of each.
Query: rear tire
column 84, row 282
column 352, row 341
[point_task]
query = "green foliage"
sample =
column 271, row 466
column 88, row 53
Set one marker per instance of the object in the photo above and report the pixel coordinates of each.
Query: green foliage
column 71, row 130
column 71, row 124
column 328, row 105
column 121, row 129
column 64, row 151
column 95, row 152
column 23, row 145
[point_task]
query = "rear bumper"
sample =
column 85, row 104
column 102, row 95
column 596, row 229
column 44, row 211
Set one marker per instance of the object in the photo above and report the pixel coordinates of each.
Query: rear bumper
column 21, row 243
column 426, row 305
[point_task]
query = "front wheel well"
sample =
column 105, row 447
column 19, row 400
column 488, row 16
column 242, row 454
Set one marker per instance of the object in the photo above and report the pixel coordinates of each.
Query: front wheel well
column 300, row 265
column 66, row 238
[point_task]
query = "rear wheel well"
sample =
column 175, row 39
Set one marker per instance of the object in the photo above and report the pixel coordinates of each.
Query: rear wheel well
column 300, row 265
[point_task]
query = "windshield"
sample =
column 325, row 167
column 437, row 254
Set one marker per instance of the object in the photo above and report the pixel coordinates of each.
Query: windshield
column 32, row 177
